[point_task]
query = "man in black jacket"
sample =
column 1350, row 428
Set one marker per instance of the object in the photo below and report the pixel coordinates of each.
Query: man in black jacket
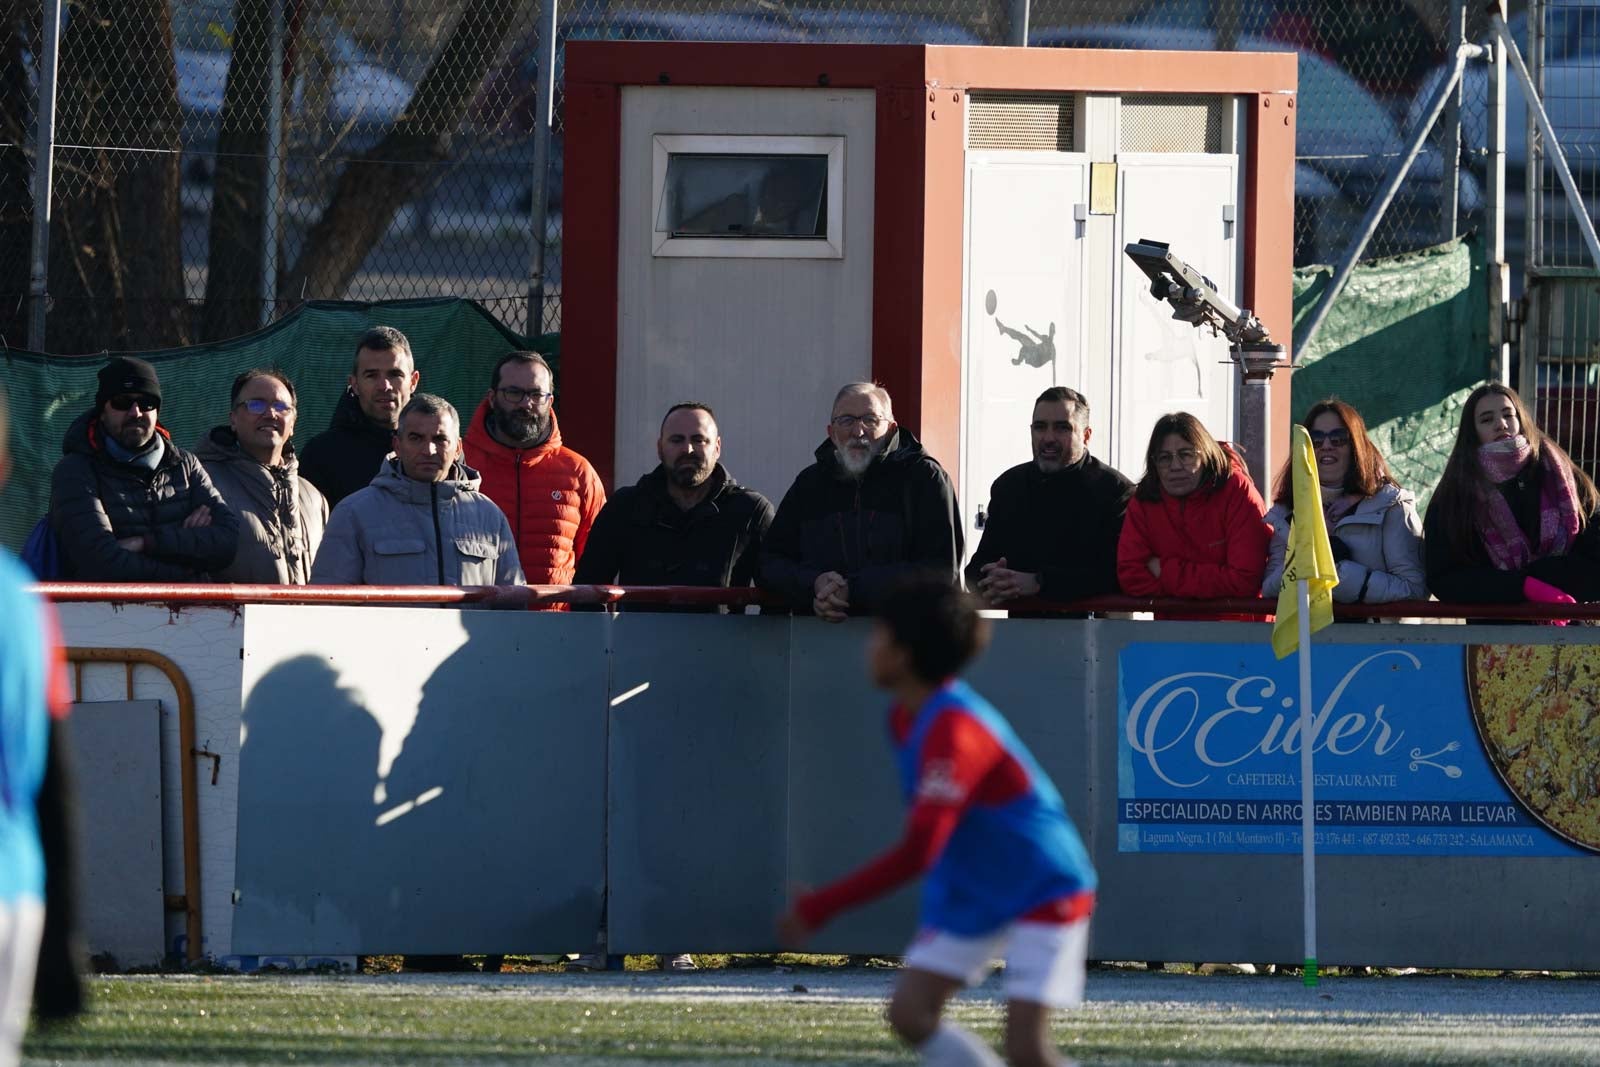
column 871, row 510
column 687, row 522
column 1053, row 523
column 347, row 455
column 126, row 503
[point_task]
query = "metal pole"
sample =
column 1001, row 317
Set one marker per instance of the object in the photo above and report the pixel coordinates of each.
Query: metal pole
column 1019, row 24
column 1308, row 800
column 272, row 180
column 44, row 175
column 1500, row 271
column 538, row 212
column 1450, row 163
column 1553, row 150
column 1307, row 331
column 1533, row 170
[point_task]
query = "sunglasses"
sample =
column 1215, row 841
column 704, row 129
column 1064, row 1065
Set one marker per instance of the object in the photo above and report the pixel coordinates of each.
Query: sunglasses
column 126, row 401
column 258, row 406
column 1336, row 438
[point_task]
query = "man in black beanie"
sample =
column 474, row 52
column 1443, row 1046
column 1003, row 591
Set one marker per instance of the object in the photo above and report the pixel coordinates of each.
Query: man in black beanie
column 128, row 505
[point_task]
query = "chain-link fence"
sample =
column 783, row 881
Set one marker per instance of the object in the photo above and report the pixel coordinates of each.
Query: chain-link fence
column 1561, row 362
column 399, row 162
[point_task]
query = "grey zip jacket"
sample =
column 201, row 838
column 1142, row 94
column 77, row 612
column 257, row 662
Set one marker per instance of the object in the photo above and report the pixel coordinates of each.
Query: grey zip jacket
column 1384, row 536
column 398, row 531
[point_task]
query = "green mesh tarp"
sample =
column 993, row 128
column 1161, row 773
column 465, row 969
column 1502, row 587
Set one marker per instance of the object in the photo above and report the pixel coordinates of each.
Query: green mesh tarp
column 1404, row 344
column 456, row 343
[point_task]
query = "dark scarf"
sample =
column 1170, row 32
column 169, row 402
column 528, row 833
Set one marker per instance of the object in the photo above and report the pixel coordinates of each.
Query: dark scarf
column 1503, row 539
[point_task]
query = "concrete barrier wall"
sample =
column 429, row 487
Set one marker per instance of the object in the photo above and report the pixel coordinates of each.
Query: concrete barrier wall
column 206, row 644
column 417, row 780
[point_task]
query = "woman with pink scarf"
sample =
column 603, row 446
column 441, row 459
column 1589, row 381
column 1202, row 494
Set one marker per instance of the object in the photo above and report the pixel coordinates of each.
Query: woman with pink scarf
column 1513, row 519
column 1372, row 522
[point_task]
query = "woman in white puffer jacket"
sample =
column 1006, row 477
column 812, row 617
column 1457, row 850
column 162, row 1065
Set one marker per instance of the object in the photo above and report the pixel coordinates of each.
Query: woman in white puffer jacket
column 1372, row 522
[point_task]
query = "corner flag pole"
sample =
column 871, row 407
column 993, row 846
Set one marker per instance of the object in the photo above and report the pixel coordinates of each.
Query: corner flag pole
column 1308, row 848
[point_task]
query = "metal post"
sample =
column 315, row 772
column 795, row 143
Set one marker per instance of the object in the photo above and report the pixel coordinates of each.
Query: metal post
column 1533, row 171
column 1308, row 805
column 1257, row 362
column 44, row 174
column 272, row 179
column 1450, row 142
column 1227, row 20
column 1499, row 270
column 1552, row 147
column 1307, row 330
column 538, row 212
column 1019, row 24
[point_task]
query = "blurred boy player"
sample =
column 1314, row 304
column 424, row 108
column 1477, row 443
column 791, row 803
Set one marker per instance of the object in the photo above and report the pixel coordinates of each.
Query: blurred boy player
column 1006, row 870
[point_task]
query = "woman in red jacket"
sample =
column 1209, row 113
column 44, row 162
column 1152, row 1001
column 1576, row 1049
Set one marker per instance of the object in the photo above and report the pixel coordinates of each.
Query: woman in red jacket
column 1195, row 525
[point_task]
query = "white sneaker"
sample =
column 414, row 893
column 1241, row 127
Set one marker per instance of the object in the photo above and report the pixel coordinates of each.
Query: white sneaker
column 683, row 962
column 587, row 961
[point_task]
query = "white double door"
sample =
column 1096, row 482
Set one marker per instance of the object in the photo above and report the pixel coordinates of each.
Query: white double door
column 1052, row 300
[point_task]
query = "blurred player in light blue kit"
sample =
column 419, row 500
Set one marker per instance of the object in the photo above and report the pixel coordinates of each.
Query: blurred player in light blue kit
column 35, row 861
column 1006, row 871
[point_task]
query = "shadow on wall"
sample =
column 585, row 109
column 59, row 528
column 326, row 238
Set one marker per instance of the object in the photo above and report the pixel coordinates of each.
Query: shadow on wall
column 306, row 812
column 445, row 853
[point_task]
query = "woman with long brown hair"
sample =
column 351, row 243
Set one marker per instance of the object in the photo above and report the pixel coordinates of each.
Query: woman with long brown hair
column 1194, row 526
column 1372, row 522
column 1513, row 518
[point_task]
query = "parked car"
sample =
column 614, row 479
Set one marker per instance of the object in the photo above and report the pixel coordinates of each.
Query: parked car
column 844, row 24
column 505, row 109
column 1571, row 92
column 1386, row 45
column 357, row 88
column 1345, row 145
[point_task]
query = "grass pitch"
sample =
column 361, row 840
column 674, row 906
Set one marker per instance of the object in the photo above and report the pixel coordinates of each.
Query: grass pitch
column 813, row 1015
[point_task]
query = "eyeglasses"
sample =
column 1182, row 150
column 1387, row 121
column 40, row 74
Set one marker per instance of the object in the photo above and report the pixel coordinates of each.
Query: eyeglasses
column 1184, row 457
column 1336, row 438
column 126, row 401
column 257, row 406
column 512, row 395
column 866, row 422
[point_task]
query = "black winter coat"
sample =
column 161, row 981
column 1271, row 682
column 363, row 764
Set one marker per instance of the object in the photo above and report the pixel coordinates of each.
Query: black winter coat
column 1458, row 566
column 642, row 537
column 899, row 518
column 96, row 501
column 1062, row 526
column 346, row 456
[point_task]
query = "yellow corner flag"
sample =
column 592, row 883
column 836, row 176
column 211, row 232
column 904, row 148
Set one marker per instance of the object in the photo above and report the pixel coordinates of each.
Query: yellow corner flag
column 1310, row 555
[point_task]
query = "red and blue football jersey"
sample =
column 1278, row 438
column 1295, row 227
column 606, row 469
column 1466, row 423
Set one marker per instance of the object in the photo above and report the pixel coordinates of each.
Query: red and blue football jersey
column 986, row 826
column 32, row 687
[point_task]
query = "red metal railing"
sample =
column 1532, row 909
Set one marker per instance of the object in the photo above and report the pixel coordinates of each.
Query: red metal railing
column 523, row 596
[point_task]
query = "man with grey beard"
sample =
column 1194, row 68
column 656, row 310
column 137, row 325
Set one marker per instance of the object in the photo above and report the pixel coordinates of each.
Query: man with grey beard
column 549, row 492
column 873, row 509
column 687, row 522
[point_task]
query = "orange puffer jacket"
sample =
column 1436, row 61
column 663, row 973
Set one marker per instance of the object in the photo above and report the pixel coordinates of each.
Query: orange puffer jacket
column 550, row 493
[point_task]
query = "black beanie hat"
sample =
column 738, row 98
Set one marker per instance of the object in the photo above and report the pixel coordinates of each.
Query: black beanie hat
column 125, row 374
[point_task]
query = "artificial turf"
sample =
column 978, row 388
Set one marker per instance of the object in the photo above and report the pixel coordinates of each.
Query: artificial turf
column 793, row 1016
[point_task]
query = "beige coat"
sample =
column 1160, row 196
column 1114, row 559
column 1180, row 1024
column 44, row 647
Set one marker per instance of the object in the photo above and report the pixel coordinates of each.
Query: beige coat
column 281, row 514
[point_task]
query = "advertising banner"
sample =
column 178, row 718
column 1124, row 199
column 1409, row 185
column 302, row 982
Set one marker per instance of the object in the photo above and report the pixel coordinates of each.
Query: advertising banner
column 1443, row 750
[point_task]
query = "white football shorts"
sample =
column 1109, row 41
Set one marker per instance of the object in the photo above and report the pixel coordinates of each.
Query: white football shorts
column 1044, row 961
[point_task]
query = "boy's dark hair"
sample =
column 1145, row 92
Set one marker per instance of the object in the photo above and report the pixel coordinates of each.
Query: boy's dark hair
column 937, row 623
